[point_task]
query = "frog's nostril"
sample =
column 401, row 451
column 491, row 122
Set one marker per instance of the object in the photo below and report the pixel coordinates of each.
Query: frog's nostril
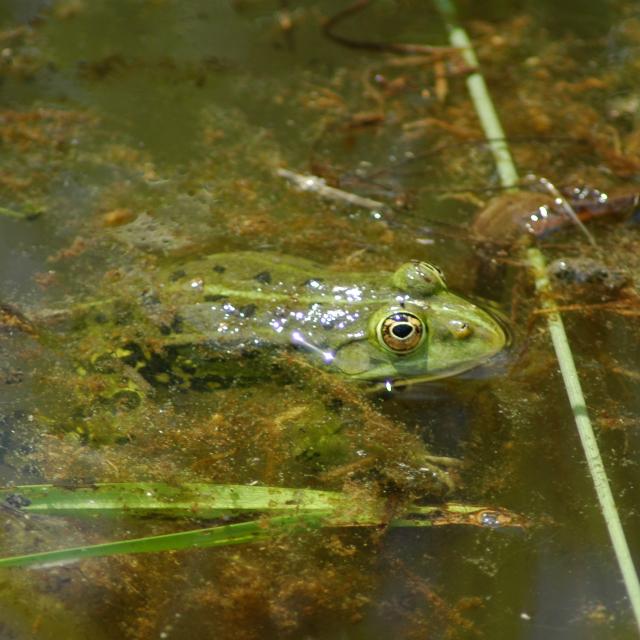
column 460, row 329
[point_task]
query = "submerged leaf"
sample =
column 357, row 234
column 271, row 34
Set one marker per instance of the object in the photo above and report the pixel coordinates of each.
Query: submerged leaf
column 221, row 536
column 304, row 507
column 196, row 500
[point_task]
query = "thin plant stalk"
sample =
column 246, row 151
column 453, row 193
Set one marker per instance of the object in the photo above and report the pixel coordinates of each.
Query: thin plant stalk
column 12, row 213
column 509, row 178
column 282, row 511
column 479, row 92
column 565, row 207
column 18, row 215
column 207, row 501
column 220, row 536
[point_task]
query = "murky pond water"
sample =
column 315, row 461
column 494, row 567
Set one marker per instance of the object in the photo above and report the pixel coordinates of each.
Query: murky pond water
column 138, row 137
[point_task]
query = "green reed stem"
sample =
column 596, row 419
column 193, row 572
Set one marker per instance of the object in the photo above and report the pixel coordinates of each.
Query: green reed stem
column 479, row 92
column 509, row 178
column 18, row 215
column 12, row 213
column 220, row 536
column 282, row 510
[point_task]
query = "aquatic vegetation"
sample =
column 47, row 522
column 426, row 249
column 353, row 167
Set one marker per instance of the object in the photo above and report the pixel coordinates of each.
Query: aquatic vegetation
column 509, row 178
column 151, row 135
column 304, row 508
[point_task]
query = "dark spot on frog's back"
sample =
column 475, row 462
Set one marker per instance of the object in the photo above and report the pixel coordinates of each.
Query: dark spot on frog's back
column 248, row 310
column 122, row 316
column 177, row 275
column 213, row 297
column 177, row 325
column 149, row 298
column 16, row 501
column 264, row 277
column 219, row 268
column 135, row 354
column 329, row 324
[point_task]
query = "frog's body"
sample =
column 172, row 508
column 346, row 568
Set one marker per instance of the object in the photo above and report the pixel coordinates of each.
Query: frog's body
column 367, row 326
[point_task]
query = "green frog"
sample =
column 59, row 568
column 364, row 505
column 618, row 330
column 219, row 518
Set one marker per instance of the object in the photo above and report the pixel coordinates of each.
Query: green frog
column 384, row 327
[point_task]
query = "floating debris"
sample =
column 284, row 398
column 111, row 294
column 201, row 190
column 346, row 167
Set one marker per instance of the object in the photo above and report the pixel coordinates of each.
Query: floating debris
column 320, row 187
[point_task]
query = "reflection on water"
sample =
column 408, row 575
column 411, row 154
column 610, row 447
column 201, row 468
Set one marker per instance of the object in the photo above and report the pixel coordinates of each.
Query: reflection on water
column 147, row 134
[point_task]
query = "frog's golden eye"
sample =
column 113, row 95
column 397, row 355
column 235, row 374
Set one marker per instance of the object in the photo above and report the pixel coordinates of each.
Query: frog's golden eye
column 401, row 332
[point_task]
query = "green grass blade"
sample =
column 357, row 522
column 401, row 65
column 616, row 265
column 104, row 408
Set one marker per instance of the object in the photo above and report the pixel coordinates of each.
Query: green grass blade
column 220, row 536
column 184, row 500
column 206, row 501
column 18, row 215
column 479, row 92
column 509, row 177
column 258, row 530
column 587, row 435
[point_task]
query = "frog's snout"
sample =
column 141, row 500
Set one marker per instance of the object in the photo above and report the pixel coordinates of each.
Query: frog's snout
column 502, row 327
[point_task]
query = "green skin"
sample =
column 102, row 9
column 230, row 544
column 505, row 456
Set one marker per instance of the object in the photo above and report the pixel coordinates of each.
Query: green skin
column 218, row 319
column 230, row 302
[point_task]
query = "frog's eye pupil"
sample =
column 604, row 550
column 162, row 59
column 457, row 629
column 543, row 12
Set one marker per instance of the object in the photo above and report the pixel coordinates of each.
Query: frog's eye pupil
column 401, row 332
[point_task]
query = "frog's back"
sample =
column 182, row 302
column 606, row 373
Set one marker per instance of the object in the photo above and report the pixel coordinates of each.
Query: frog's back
column 249, row 270
column 374, row 326
column 235, row 299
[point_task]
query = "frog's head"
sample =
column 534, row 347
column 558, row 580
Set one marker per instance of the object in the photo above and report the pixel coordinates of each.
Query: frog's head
column 426, row 332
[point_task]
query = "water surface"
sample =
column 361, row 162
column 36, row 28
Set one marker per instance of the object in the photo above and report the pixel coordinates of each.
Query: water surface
column 146, row 132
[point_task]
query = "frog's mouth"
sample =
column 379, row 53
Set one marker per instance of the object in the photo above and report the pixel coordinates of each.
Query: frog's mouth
column 496, row 363
column 503, row 323
column 492, row 309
